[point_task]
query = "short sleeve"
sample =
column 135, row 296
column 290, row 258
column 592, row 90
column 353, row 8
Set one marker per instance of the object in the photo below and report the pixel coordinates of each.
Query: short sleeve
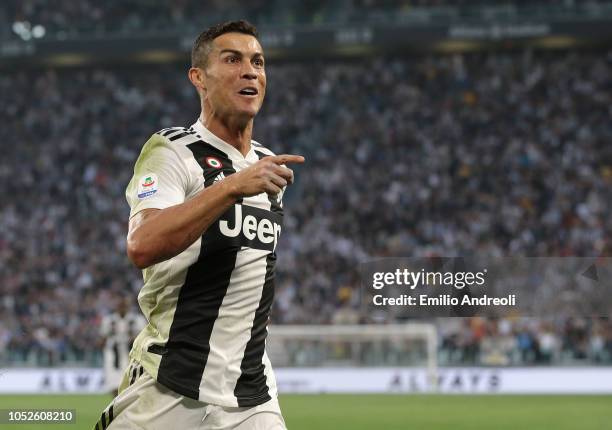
column 160, row 178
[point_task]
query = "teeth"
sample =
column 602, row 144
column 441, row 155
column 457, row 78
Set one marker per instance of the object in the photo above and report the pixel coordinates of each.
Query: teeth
column 248, row 91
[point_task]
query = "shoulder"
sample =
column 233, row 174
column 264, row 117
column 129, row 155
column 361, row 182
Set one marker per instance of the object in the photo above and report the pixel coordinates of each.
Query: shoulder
column 178, row 136
column 261, row 150
column 170, row 143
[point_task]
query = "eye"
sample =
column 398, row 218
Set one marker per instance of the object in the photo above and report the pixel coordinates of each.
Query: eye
column 258, row 62
column 232, row 59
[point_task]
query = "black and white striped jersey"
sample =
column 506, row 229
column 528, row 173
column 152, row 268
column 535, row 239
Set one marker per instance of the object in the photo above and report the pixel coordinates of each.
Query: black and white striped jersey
column 208, row 307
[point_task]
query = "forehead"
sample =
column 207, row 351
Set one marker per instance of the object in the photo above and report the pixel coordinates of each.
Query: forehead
column 244, row 43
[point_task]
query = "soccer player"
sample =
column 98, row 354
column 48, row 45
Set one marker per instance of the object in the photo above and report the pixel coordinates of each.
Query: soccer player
column 118, row 331
column 205, row 218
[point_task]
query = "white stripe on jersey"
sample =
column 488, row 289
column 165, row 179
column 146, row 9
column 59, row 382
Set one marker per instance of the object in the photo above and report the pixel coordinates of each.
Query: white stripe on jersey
column 235, row 316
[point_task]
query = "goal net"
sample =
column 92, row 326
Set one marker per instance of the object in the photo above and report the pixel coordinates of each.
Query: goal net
column 355, row 346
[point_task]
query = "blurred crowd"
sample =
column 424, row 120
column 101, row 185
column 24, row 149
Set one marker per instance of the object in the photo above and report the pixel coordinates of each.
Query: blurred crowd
column 525, row 341
column 66, row 18
column 484, row 154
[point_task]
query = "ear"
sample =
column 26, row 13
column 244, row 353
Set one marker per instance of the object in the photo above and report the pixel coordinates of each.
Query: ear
column 198, row 79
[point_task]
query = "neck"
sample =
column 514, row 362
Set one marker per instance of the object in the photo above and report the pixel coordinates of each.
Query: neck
column 235, row 131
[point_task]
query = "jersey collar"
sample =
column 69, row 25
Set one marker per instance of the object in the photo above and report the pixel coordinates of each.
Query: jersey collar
column 222, row 145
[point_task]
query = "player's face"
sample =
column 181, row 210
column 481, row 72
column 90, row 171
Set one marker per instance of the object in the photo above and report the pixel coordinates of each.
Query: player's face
column 235, row 76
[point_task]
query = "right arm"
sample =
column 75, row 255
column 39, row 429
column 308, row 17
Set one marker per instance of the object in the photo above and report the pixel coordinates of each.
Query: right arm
column 157, row 235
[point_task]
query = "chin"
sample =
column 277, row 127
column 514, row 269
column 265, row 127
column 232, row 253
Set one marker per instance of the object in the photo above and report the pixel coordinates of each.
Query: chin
column 248, row 113
column 244, row 116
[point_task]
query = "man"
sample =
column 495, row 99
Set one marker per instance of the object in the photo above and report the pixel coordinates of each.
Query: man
column 205, row 218
column 118, row 331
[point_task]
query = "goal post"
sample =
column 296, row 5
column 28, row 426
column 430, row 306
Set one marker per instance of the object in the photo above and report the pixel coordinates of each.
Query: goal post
column 334, row 346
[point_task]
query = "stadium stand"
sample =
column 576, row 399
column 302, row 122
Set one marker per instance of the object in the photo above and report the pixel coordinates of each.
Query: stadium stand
column 488, row 153
column 64, row 19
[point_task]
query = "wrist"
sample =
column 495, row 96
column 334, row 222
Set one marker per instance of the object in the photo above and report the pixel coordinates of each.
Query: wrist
column 232, row 187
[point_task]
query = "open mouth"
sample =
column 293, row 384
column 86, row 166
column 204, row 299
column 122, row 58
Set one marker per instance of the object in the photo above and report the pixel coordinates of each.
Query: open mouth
column 248, row 91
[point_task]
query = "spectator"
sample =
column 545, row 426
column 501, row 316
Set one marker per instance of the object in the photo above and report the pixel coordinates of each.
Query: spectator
column 496, row 154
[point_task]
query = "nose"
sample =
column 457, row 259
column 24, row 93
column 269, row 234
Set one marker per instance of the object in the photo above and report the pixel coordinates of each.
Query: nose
column 248, row 71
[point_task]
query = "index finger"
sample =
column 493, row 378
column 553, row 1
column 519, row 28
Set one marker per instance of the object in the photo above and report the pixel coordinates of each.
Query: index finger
column 285, row 159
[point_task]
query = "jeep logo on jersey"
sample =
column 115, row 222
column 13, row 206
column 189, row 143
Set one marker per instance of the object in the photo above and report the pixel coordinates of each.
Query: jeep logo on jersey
column 213, row 162
column 251, row 226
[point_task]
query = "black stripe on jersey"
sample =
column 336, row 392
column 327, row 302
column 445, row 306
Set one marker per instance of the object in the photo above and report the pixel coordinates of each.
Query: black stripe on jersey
column 201, row 151
column 134, row 370
column 251, row 388
column 173, row 130
column 200, row 298
column 178, row 136
column 102, row 423
column 197, row 309
column 167, row 131
column 156, row 349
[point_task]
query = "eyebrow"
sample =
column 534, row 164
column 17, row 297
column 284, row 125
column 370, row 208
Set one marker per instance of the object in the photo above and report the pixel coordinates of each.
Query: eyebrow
column 233, row 51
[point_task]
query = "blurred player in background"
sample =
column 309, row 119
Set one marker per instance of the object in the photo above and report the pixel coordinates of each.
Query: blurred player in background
column 118, row 331
column 206, row 214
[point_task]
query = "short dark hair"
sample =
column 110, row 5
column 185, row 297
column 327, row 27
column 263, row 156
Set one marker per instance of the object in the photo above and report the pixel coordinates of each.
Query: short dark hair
column 203, row 44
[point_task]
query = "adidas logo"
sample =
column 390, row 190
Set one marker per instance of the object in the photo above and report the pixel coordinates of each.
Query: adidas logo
column 219, row 177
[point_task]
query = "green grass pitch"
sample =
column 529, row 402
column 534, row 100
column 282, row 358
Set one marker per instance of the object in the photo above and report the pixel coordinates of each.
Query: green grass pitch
column 382, row 412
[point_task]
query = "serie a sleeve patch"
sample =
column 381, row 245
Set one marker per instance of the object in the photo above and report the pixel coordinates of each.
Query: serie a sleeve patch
column 147, row 185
